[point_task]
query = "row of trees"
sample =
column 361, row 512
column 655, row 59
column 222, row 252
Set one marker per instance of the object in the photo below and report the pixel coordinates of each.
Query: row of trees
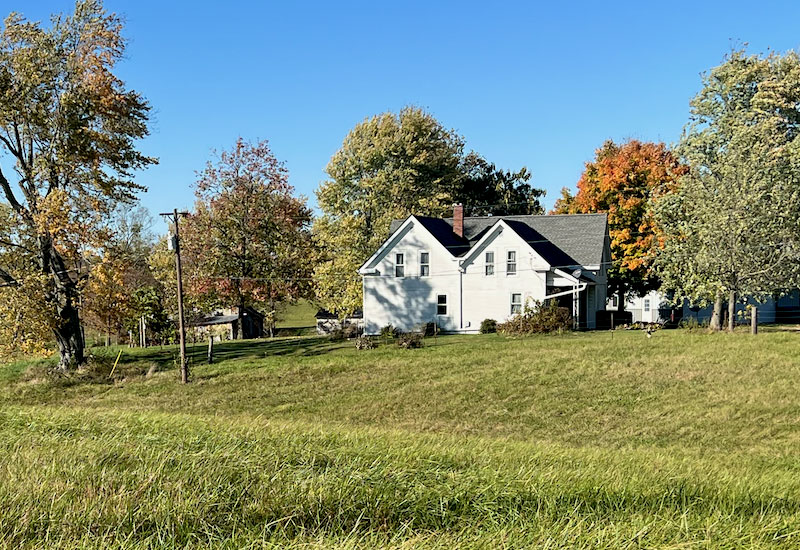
column 717, row 218
column 714, row 218
column 248, row 241
column 732, row 228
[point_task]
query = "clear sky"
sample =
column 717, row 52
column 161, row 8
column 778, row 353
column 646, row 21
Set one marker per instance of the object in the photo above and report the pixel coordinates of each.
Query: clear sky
column 536, row 84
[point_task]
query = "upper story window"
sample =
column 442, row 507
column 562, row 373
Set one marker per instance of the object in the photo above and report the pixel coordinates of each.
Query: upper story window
column 516, row 303
column 424, row 264
column 441, row 304
column 647, row 304
column 511, row 262
column 399, row 265
column 489, row 270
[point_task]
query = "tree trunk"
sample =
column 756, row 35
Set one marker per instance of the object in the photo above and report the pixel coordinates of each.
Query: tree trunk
column 271, row 311
column 621, row 299
column 64, row 296
column 731, row 310
column 716, row 315
column 271, row 319
column 69, row 338
column 240, row 322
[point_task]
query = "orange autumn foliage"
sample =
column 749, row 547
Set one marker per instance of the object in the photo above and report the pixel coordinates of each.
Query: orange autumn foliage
column 622, row 181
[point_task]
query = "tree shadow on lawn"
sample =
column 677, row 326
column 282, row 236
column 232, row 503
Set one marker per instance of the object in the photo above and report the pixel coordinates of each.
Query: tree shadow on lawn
column 237, row 349
column 140, row 362
column 36, row 381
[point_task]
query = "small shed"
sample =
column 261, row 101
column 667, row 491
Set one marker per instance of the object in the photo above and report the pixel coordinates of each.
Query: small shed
column 252, row 323
column 328, row 322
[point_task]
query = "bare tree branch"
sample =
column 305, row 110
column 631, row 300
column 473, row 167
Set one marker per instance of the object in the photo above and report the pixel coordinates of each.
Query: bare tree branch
column 17, row 153
column 9, row 193
column 7, row 278
column 16, row 245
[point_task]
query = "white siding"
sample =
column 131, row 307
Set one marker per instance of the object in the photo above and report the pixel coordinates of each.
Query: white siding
column 489, row 297
column 472, row 296
column 409, row 301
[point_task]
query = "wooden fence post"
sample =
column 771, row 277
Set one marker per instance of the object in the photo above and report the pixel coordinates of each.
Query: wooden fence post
column 754, row 320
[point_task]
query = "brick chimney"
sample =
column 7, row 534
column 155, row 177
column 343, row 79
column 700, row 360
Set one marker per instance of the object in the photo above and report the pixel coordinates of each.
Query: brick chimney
column 458, row 219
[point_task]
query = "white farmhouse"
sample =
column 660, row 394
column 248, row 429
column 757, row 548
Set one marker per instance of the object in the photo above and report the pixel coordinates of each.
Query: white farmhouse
column 459, row 271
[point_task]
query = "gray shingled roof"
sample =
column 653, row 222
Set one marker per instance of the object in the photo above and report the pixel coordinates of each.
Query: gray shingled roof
column 562, row 240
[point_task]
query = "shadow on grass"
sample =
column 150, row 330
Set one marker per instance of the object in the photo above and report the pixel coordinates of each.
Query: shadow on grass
column 296, row 331
column 135, row 363
column 197, row 354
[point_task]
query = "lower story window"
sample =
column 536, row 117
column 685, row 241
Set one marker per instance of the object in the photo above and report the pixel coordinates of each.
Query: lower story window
column 516, row 303
column 441, row 304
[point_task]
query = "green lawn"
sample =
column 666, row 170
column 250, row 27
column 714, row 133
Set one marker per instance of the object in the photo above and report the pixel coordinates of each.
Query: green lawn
column 298, row 314
column 296, row 319
column 594, row 440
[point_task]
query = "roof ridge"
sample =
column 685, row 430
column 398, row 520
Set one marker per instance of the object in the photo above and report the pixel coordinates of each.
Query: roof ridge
column 501, row 216
column 580, row 237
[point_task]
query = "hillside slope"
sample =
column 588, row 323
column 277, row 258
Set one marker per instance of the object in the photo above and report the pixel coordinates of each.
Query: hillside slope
column 585, row 440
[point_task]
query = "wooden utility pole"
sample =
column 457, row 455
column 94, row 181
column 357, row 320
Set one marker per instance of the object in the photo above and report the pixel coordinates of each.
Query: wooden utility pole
column 176, row 243
column 754, row 320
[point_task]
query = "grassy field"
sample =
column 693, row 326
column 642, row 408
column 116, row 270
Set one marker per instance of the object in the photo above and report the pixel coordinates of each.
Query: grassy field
column 296, row 319
column 594, row 440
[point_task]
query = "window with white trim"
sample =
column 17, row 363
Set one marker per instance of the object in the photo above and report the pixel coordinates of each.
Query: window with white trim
column 614, row 302
column 647, row 304
column 424, row 264
column 516, row 303
column 511, row 262
column 399, row 265
column 441, row 304
column 489, row 259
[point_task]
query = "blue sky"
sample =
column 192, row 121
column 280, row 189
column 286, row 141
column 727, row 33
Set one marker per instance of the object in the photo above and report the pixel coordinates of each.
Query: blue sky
column 526, row 83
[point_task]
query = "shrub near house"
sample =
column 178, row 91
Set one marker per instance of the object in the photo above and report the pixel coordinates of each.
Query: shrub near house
column 538, row 318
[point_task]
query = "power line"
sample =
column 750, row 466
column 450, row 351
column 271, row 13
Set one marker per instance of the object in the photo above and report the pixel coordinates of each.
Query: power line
column 447, row 273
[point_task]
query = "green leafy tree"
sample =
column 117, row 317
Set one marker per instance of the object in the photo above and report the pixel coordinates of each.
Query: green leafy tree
column 486, row 190
column 69, row 125
column 147, row 302
column 732, row 228
column 389, row 167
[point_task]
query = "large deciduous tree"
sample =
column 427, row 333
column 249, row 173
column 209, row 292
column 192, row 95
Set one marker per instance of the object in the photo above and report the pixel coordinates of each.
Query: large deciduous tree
column 622, row 181
column 388, row 167
column 68, row 128
column 248, row 242
column 732, row 230
column 391, row 166
column 487, row 190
